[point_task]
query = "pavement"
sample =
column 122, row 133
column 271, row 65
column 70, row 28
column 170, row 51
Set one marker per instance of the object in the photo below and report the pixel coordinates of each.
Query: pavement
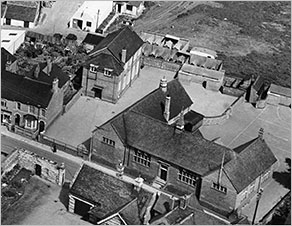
column 76, row 125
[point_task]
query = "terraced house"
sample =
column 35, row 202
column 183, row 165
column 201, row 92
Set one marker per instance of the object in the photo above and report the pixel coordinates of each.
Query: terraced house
column 30, row 103
column 158, row 137
column 113, row 66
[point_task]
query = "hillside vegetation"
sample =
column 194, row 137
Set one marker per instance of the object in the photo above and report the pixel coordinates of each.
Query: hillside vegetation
column 252, row 38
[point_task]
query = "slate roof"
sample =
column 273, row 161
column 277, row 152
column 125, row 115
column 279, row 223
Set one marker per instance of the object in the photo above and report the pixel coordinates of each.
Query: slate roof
column 106, row 192
column 93, row 39
column 259, row 82
column 252, row 160
column 188, row 150
column 124, row 38
column 6, row 56
column 21, row 89
column 153, row 104
column 22, row 13
column 135, row 3
column 280, row 90
column 56, row 72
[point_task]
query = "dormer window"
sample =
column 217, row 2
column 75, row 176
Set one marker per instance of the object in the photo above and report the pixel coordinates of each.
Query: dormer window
column 93, row 68
column 107, row 72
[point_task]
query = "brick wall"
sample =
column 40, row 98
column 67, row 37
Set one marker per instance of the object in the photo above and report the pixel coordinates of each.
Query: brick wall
column 102, row 151
column 225, row 202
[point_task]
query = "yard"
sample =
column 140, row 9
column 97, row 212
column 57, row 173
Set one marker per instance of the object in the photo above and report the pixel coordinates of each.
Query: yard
column 42, row 203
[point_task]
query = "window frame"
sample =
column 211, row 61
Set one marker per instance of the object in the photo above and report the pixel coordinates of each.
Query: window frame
column 4, row 103
column 93, row 68
column 108, row 141
column 129, row 6
column 43, row 112
column 8, row 21
column 187, row 177
column 18, row 106
column 88, row 23
column 142, row 158
column 219, row 187
column 107, row 72
column 26, row 24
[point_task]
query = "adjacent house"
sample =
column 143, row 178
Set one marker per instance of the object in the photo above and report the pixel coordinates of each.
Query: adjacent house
column 152, row 138
column 11, row 40
column 279, row 95
column 8, row 61
column 104, row 199
column 91, row 40
column 90, row 15
column 21, row 14
column 129, row 8
column 113, row 66
column 30, row 103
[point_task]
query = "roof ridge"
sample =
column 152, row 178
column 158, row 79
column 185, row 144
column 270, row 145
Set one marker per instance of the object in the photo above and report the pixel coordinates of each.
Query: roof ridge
column 121, row 30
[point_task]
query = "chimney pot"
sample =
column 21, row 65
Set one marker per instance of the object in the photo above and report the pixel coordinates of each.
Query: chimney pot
column 261, row 133
column 55, row 85
column 180, row 123
column 163, row 84
column 124, row 54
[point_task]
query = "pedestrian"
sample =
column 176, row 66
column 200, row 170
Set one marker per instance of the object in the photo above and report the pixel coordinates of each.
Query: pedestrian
column 54, row 148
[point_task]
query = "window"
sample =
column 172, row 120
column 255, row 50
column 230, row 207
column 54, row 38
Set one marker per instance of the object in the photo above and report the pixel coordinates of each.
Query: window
column 108, row 141
column 26, row 24
column 8, row 21
column 187, row 177
column 5, row 40
column 3, row 103
column 88, row 24
column 142, row 158
column 31, row 109
column 12, row 34
column 43, row 112
column 93, row 68
column 18, row 106
column 107, row 72
column 129, row 7
column 219, row 187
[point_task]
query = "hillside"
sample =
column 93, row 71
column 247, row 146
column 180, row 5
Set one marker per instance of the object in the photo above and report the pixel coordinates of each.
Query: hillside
column 252, row 38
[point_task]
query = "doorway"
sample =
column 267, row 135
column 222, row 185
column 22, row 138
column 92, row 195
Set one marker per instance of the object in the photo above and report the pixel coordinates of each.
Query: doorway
column 38, row 170
column 163, row 172
column 97, row 92
column 79, row 23
column 42, row 126
column 17, row 119
column 119, row 8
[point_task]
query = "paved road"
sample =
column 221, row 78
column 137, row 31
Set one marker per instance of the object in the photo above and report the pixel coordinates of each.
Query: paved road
column 8, row 144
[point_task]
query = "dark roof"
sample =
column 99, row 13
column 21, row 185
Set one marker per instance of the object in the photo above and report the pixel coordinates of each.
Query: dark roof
column 93, row 39
column 22, row 13
column 252, row 160
column 188, row 150
column 135, row 3
column 106, row 192
column 21, row 89
column 103, row 61
column 56, row 72
column 71, row 37
column 259, row 82
column 130, row 213
column 193, row 117
column 124, row 38
column 6, row 56
column 153, row 105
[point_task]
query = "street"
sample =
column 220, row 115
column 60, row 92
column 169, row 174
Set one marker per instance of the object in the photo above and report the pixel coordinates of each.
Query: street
column 9, row 144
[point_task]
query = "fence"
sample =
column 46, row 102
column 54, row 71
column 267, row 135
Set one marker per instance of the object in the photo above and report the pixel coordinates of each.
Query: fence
column 162, row 64
column 79, row 151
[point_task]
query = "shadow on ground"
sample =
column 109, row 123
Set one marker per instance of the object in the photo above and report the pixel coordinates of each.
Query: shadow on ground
column 284, row 178
column 64, row 194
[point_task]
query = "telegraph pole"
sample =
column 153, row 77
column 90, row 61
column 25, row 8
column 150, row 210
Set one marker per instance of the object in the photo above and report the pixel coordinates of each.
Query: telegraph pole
column 259, row 194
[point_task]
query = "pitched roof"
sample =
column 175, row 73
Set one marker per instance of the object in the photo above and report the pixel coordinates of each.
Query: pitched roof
column 108, row 196
column 22, row 13
column 135, row 3
column 124, row 38
column 188, row 150
column 21, row 89
column 6, row 56
column 93, row 39
column 280, row 90
column 153, row 104
column 252, row 160
column 259, row 82
column 43, row 77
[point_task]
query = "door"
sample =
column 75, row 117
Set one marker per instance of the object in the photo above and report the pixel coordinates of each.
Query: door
column 97, row 93
column 42, row 126
column 81, row 208
column 17, row 119
column 163, row 172
column 79, row 23
column 38, row 170
column 119, row 8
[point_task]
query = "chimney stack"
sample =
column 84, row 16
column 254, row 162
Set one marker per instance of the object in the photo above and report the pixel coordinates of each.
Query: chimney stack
column 163, row 84
column 49, row 66
column 37, row 71
column 124, row 54
column 180, row 123
column 261, row 133
column 55, row 85
column 167, row 108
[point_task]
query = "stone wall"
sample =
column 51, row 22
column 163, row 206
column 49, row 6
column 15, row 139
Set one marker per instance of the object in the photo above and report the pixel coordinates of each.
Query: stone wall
column 159, row 63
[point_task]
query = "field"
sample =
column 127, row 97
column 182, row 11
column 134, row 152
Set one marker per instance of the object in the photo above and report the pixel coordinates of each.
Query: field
column 252, row 38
